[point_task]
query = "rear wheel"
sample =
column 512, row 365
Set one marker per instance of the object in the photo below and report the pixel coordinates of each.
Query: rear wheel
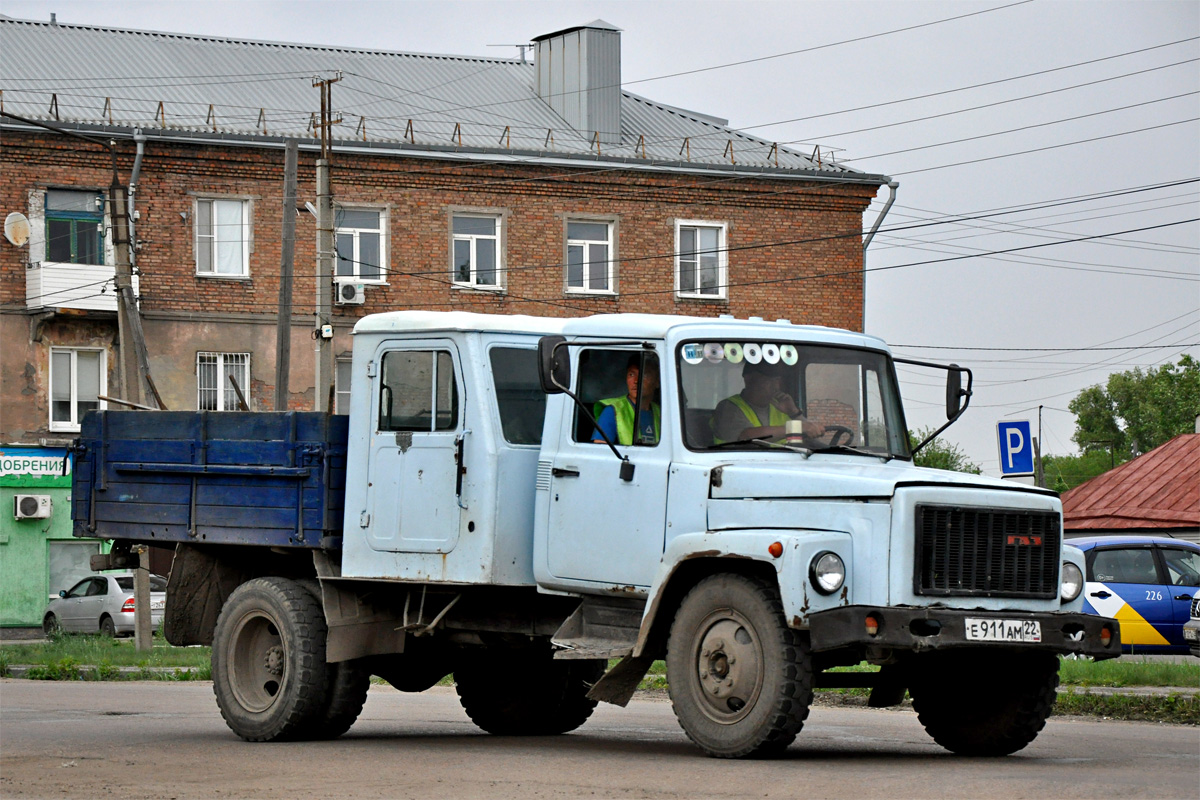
column 345, row 689
column 268, row 661
column 527, row 693
column 108, row 627
column 984, row 703
column 740, row 678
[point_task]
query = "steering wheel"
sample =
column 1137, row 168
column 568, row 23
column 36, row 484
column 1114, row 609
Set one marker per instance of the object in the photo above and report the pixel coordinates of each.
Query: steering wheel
column 838, row 430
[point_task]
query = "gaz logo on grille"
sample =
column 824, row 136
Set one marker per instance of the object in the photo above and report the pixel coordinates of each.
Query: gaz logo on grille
column 1023, row 541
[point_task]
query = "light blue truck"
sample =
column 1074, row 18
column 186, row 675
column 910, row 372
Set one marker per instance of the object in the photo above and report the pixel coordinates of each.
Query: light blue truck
column 472, row 517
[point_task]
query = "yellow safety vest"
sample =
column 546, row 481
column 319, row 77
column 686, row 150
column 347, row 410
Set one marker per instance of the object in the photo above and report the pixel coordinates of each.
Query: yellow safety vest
column 626, row 417
column 776, row 417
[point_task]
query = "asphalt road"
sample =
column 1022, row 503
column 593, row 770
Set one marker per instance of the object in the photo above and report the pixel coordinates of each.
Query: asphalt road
column 167, row 740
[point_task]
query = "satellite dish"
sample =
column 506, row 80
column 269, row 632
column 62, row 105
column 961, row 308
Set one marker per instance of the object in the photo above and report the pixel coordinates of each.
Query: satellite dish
column 16, row 229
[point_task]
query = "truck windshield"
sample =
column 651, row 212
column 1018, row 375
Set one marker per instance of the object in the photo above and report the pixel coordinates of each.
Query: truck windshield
column 741, row 395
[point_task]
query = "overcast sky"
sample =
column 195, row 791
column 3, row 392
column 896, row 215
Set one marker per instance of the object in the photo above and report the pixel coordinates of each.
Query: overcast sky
column 909, row 104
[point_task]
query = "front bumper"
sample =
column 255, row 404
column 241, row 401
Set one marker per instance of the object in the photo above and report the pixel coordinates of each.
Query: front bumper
column 934, row 628
column 1191, row 635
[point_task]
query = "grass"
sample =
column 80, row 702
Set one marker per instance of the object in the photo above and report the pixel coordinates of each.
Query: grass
column 1176, row 708
column 1127, row 671
column 97, row 657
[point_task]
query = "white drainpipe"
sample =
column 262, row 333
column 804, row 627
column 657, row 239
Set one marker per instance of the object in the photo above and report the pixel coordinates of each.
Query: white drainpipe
column 892, row 186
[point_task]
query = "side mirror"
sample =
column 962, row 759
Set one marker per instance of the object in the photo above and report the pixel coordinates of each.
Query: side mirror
column 62, row 592
column 554, row 364
column 954, row 392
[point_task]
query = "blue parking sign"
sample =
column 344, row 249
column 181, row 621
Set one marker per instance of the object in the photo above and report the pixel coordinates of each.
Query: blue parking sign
column 1016, row 447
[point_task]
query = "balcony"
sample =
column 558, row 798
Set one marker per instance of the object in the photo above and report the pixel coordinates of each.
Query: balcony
column 86, row 287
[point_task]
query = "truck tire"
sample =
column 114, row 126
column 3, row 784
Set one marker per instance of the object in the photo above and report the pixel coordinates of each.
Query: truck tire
column 984, row 703
column 740, row 678
column 345, row 690
column 268, row 661
column 528, row 693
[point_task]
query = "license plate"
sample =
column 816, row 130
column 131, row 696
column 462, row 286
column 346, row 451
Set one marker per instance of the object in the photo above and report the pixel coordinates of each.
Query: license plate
column 1191, row 633
column 158, row 605
column 1003, row 630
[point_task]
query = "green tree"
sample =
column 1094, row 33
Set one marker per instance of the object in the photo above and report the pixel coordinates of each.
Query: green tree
column 940, row 454
column 1137, row 411
column 1067, row 472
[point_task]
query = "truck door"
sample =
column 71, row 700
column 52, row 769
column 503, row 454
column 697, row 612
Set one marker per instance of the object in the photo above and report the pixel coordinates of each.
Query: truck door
column 603, row 529
column 412, row 487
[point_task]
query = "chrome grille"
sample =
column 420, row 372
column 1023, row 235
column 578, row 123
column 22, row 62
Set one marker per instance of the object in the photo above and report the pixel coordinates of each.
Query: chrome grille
column 1195, row 608
column 986, row 552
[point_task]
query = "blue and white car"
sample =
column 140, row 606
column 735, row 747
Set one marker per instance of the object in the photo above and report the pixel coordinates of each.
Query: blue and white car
column 1146, row 582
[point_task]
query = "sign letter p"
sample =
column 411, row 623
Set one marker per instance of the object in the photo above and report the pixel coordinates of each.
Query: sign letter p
column 1016, row 443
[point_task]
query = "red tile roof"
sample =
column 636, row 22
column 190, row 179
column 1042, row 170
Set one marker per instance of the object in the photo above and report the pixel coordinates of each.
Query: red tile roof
column 1159, row 489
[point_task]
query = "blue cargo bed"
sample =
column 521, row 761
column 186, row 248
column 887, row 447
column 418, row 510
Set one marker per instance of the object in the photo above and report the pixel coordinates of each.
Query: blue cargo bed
column 259, row 478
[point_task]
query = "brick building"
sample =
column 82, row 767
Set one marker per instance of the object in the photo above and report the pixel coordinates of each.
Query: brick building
column 467, row 183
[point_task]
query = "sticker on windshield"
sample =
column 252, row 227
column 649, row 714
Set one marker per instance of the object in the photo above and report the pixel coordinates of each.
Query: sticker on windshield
column 788, row 354
column 733, row 352
column 693, row 353
column 752, row 352
column 770, row 353
column 714, row 353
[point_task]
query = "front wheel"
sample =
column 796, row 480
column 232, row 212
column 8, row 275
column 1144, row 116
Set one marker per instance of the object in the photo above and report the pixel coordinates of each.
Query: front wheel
column 740, row 678
column 51, row 626
column 268, row 661
column 984, row 703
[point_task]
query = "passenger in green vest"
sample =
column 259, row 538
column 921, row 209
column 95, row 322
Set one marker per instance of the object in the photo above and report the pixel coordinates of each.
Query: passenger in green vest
column 760, row 410
column 615, row 415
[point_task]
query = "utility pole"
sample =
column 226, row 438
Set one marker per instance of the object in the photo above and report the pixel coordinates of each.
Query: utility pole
column 1040, row 473
column 134, row 364
column 283, row 328
column 323, row 388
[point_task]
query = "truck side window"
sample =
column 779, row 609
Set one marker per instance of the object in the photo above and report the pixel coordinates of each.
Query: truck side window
column 519, row 394
column 602, row 379
column 418, row 391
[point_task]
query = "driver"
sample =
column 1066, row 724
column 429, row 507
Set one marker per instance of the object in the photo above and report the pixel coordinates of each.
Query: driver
column 760, row 410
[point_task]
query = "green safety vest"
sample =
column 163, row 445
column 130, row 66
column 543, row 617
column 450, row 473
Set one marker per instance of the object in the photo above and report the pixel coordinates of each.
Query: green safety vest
column 626, row 417
column 776, row 417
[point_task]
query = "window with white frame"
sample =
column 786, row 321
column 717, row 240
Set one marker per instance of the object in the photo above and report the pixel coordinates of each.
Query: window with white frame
column 74, row 226
column 476, row 250
column 590, row 256
column 223, row 237
column 341, row 386
column 359, row 238
column 214, row 389
column 78, row 376
column 700, row 259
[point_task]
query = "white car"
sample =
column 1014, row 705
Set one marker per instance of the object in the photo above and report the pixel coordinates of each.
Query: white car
column 1191, row 628
column 102, row 604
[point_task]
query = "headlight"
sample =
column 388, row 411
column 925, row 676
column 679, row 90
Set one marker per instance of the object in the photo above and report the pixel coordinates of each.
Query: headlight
column 827, row 572
column 1072, row 582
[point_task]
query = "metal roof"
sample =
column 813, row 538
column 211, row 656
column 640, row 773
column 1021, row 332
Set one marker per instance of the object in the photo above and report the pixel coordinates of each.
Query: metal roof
column 175, row 85
column 1159, row 489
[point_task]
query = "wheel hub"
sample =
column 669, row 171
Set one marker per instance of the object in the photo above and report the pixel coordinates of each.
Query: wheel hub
column 273, row 660
column 729, row 667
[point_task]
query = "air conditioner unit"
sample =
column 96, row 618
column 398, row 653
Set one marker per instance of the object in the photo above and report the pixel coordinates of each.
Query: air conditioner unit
column 31, row 506
column 350, row 294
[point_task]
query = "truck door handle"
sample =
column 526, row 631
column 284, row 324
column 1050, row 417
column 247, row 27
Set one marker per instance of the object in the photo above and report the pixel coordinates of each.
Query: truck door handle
column 559, row 472
column 1101, row 595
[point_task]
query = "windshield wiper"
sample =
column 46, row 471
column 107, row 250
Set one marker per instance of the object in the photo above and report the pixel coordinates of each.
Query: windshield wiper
column 763, row 443
column 842, row 448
